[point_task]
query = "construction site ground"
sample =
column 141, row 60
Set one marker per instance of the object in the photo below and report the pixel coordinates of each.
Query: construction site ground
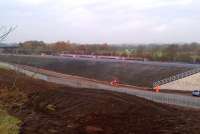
column 47, row 108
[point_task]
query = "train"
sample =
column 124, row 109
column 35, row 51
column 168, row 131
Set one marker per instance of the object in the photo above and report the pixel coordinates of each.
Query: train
column 102, row 57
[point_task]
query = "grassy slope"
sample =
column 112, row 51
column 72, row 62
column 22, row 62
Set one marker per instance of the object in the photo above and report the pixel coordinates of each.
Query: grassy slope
column 8, row 124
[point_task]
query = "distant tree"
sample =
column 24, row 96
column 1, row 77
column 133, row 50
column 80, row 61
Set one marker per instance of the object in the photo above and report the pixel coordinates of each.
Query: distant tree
column 30, row 47
column 32, row 44
column 171, row 52
column 61, row 46
column 186, row 57
column 140, row 51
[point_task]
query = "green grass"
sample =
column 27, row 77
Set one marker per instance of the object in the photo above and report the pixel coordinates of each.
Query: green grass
column 8, row 124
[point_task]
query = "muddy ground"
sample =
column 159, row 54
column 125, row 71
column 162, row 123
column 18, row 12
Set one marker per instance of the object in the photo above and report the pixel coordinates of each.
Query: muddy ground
column 47, row 108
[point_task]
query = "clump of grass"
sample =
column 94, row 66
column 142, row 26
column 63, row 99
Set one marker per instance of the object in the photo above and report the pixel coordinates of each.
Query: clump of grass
column 12, row 97
column 8, row 124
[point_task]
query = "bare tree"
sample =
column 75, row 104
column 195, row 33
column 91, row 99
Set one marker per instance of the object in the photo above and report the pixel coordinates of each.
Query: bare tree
column 4, row 32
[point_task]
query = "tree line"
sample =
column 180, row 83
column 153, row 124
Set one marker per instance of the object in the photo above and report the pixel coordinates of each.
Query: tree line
column 188, row 52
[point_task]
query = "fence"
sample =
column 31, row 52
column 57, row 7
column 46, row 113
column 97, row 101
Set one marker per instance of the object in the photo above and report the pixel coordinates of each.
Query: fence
column 166, row 98
column 176, row 77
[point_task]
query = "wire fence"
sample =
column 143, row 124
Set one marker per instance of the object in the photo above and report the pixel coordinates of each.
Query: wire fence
column 166, row 98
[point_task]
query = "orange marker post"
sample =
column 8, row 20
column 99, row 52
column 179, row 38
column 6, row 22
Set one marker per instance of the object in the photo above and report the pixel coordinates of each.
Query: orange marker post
column 114, row 83
column 157, row 88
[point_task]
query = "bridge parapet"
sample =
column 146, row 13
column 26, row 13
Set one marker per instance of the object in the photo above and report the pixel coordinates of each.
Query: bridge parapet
column 176, row 77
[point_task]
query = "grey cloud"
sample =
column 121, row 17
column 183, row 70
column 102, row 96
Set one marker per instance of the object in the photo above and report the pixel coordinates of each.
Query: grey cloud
column 114, row 21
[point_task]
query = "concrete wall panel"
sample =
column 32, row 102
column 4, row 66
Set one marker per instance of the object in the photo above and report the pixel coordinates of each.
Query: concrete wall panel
column 189, row 83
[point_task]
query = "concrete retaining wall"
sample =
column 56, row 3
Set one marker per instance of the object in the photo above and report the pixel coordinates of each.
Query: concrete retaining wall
column 189, row 83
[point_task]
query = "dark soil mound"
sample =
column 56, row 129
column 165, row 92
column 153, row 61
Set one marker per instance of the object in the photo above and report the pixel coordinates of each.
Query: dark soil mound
column 46, row 108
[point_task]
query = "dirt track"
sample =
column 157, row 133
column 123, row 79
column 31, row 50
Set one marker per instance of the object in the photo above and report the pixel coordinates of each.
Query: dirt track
column 47, row 108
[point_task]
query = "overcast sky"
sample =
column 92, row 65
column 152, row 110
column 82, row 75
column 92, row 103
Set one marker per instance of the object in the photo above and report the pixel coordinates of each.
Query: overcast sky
column 99, row 21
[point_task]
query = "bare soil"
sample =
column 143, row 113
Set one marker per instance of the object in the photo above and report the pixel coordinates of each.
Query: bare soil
column 47, row 108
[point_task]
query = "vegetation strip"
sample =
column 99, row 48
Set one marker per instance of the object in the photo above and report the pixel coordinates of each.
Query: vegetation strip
column 8, row 124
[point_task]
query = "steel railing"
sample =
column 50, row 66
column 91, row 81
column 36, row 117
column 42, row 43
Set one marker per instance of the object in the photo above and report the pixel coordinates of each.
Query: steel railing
column 176, row 77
